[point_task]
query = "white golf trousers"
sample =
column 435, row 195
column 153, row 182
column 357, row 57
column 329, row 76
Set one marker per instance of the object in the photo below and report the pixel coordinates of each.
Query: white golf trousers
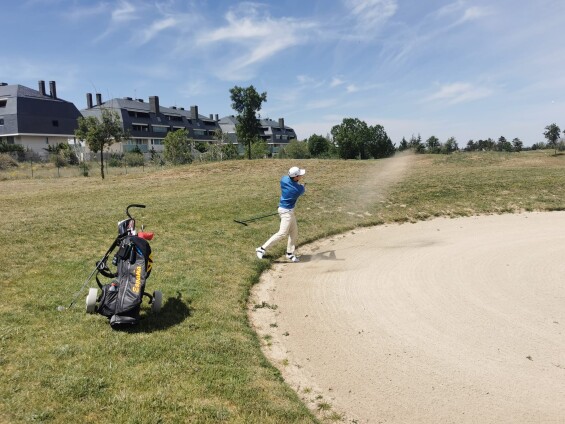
column 288, row 227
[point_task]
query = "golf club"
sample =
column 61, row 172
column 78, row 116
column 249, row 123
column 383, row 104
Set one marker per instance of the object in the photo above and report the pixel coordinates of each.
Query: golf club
column 255, row 218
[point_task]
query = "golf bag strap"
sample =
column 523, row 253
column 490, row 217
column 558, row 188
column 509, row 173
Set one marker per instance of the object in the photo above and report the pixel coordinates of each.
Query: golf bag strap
column 105, row 271
column 98, row 282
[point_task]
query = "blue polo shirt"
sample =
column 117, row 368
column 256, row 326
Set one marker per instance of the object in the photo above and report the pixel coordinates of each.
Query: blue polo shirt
column 290, row 192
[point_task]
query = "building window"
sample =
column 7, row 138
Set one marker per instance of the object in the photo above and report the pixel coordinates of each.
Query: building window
column 160, row 129
column 137, row 114
column 1, row 121
column 3, row 102
column 157, row 141
column 140, row 127
column 55, row 123
column 199, row 132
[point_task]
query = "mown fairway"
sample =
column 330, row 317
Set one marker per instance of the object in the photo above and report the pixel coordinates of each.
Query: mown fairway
column 198, row 360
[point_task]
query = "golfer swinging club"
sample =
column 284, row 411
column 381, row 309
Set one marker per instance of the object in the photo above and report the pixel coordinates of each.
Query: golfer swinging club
column 291, row 190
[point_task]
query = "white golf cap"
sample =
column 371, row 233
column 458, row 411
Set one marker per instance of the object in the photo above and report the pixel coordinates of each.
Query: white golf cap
column 295, row 171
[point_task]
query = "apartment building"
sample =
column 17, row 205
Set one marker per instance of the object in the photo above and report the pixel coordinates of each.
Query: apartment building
column 148, row 122
column 36, row 119
column 275, row 134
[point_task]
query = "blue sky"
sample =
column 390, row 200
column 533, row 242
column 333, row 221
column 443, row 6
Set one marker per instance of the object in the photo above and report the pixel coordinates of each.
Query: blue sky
column 467, row 69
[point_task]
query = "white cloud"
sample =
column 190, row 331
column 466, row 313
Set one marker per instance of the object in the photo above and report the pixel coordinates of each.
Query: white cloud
column 336, row 81
column 125, row 12
column 459, row 92
column 156, row 28
column 371, row 14
column 259, row 36
column 475, row 12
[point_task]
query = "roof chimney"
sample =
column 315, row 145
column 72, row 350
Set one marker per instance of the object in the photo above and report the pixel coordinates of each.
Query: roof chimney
column 154, row 104
column 211, row 116
column 98, row 99
column 193, row 112
column 281, row 123
column 53, row 89
column 42, row 87
column 217, row 119
column 89, row 100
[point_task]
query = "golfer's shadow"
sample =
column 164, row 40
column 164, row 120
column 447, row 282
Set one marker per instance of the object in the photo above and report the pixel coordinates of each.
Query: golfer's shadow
column 328, row 255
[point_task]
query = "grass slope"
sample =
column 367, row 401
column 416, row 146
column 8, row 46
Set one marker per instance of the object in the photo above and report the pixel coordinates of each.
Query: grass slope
column 198, row 360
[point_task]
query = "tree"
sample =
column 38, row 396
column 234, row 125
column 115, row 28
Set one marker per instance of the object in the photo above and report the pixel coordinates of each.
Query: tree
column 247, row 102
column 552, row 135
column 296, row 150
column 403, row 145
column 350, row 137
column 450, row 146
column 471, row 146
column 433, row 144
column 379, row 144
column 259, row 149
column 178, row 149
column 101, row 132
column 318, row 145
column 503, row 145
column 517, row 144
column 416, row 144
column 355, row 139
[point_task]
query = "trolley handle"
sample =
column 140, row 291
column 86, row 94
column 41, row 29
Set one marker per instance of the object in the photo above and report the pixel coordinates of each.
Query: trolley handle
column 133, row 206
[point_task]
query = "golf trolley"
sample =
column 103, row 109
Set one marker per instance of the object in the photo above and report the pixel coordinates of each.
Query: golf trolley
column 120, row 300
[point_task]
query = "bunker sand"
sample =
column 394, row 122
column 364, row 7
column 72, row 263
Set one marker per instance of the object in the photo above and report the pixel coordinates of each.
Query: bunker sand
column 450, row 320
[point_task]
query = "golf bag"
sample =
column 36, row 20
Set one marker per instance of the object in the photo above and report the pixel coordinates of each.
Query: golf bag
column 121, row 298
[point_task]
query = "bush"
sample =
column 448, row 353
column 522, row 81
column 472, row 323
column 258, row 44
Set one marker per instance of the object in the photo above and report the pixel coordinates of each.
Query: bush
column 295, row 150
column 259, row 149
column 177, row 147
column 115, row 160
column 134, row 159
column 58, row 160
column 7, row 161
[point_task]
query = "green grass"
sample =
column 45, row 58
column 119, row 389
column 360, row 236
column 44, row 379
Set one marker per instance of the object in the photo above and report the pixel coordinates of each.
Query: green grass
column 198, row 360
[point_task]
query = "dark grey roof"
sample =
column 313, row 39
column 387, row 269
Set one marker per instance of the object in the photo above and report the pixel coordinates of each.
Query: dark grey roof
column 27, row 111
column 141, row 106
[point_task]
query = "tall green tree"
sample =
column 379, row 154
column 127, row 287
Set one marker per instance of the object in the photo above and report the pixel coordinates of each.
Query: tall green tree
column 247, row 102
column 503, row 145
column 318, row 145
column 517, row 144
column 101, row 132
column 551, row 133
column 403, row 145
column 355, row 139
column 433, row 144
column 178, row 147
column 350, row 137
column 450, row 146
column 379, row 145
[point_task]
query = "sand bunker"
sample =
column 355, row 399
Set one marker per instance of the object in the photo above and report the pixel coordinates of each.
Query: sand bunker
column 450, row 320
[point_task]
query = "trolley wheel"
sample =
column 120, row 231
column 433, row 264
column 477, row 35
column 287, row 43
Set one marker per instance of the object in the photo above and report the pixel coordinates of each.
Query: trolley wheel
column 91, row 300
column 157, row 301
